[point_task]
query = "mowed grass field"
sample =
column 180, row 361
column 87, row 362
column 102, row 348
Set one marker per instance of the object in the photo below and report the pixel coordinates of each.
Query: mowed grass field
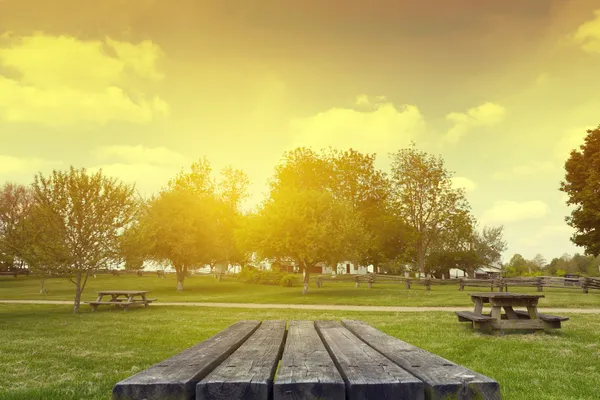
column 48, row 353
column 207, row 289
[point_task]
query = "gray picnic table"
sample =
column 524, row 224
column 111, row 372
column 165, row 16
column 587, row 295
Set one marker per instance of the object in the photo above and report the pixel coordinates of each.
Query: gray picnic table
column 130, row 297
column 496, row 322
column 308, row 360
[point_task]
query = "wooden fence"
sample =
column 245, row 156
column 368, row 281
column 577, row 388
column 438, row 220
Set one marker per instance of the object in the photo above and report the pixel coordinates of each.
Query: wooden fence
column 583, row 283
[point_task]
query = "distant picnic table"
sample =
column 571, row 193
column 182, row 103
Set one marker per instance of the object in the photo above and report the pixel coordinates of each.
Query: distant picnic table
column 495, row 322
column 129, row 298
column 308, row 360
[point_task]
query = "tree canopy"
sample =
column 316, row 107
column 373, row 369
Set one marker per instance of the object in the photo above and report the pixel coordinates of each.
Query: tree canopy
column 582, row 185
column 83, row 216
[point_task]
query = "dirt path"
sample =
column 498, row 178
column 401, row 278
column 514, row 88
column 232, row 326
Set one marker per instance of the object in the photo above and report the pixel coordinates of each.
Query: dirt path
column 318, row 307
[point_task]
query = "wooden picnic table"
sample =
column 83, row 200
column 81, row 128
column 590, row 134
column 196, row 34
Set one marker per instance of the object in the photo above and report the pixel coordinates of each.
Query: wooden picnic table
column 308, row 360
column 496, row 322
column 129, row 298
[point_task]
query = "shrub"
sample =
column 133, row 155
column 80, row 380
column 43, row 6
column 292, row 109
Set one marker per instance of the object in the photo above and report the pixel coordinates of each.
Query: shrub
column 289, row 280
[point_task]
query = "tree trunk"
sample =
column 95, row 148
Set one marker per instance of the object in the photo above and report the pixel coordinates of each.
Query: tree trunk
column 180, row 272
column 306, row 277
column 77, row 293
column 421, row 261
column 43, row 288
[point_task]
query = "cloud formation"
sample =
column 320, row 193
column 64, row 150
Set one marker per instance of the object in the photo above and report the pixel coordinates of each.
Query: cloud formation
column 382, row 129
column 531, row 168
column 571, row 140
column 460, row 182
column 61, row 80
column 149, row 168
column 10, row 165
column 487, row 114
column 587, row 35
column 512, row 211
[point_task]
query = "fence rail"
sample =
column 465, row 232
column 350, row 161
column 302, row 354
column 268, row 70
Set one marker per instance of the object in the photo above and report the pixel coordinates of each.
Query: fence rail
column 583, row 283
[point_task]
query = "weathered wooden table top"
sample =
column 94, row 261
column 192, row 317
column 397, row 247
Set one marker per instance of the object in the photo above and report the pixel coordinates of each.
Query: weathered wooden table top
column 123, row 292
column 505, row 295
column 308, row 360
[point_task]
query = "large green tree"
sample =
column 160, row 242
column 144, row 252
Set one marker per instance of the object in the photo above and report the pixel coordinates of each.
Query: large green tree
column 15, row 202
column 82, row 216
column 308, row 226
column 191, row 223
column 582, row 185
column 424, row 197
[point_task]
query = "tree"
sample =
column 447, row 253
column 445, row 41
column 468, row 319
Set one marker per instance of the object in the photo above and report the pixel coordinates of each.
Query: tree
column 582, row 185
column 355, row 179
column 22, row 238
column 309, row 226
column 423, row 195
column 180, row 229
column 192, row 222
column 82, row 216
column 517, row 266
column 489, row 246
column 15, row 202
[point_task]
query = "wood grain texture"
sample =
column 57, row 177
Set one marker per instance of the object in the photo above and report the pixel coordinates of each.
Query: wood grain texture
column 176, row 377
column 368, row 374
column 247, row 373
column 307, row 371
column 443, row 379
column 543, row 317
column 471, row 316
column 504, row 295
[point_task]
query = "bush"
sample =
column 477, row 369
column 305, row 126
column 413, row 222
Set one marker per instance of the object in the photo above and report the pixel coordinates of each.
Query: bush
column 289, row 280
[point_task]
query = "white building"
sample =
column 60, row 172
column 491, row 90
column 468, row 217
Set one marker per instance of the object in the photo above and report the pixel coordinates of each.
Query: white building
column 347, row 267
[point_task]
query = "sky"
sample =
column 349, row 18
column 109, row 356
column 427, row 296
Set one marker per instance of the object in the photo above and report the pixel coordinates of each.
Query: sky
column 502, row 90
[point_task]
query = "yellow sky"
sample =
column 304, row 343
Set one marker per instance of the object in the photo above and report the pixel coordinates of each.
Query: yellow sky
column 503, row 90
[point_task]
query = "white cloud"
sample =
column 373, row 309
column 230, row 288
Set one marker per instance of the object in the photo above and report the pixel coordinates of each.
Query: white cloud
column 571, row 140
column 147, row 178
column 587, row 35
column 464, row 183
column 512, row 211
column 142, row 155
column 381, row 130
column 487, row 114
column 66, row 81
column 532, row 168
column 149, row 168
column 10, row 165
column 546, row 233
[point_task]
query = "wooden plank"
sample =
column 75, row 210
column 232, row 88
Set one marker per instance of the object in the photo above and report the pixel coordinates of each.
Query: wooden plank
column 247, row 373
column 510, row 295
column 516, row 324
column 471, row 316
column 176, row 377
column 443, row 379
column 307, row 370
column 544, row 317
column 368, row 374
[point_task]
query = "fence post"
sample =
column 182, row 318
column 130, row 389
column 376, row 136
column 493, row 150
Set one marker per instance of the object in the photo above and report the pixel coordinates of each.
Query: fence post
column 357, row 280
column 407, row 283
column 319, row 282
column 428, row 284
column 540, row 287
column 371, row 279
column 462, row 285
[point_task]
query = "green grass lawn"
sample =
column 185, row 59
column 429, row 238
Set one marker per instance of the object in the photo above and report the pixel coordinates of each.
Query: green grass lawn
column 207, row 289
column 46, row 352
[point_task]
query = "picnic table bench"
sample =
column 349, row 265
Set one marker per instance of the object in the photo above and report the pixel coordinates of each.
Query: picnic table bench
column 495, row 322
column 128, row 300
column 308, row 360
